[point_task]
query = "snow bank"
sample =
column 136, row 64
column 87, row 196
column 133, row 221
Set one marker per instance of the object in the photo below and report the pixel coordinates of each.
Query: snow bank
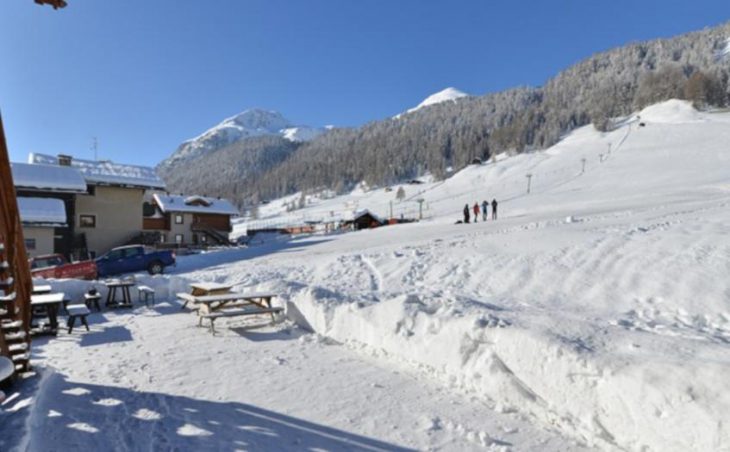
column 630, row 404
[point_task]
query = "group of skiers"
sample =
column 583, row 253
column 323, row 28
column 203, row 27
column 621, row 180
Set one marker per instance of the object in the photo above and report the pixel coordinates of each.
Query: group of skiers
column 484, row 211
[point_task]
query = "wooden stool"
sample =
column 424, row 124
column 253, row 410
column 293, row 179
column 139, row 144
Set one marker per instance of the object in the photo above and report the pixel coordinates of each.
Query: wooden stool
column 92, row 299
column 145, row 293
column 77, row 310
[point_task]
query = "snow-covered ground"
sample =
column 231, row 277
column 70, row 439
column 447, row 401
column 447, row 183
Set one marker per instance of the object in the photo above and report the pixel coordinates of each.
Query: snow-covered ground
column 593, row 314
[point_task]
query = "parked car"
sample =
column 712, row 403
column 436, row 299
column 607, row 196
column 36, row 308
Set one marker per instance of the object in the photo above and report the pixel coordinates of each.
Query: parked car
column 134, row 258
column 56, row 266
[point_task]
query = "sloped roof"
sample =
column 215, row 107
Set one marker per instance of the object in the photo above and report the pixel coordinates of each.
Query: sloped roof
column 48, row 178
column 108, row 173
column 195, row 204
column 46, row 211
column 361, row 213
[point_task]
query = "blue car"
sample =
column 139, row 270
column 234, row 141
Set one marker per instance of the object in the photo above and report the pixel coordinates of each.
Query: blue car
column 134, row 258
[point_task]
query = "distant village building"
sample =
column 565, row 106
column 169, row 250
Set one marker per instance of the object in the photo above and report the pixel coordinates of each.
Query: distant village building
column 189, row 220
column 364, row 219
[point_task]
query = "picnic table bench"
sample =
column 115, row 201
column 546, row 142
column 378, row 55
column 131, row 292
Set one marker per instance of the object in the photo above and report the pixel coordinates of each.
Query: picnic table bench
column 231, row 304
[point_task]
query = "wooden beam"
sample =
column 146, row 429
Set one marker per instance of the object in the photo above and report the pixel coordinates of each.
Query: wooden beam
column 55, row 3
column 11, row 235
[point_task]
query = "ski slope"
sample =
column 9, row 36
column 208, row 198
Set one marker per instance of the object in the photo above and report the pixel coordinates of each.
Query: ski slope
column 593, row 314
column 598, row 303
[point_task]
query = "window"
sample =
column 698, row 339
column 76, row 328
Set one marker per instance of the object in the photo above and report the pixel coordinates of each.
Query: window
column 178, row 238
column 87, row 221
column 132, row 252
column 30, row 244
column 178, row 219
column 114, row 255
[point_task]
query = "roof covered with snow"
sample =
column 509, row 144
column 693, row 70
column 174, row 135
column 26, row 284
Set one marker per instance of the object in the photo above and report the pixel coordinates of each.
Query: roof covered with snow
column 45, row 211
column 48, row 178
column 195, row 204
column 106, row 172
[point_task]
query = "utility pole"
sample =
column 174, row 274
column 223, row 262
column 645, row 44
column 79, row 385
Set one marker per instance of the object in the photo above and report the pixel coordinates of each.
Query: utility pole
column 420, row 208
column 609, row 148
column 600, row 158
column 529, row 182
column 391, row 208
column 95, row 148
column 583, row 169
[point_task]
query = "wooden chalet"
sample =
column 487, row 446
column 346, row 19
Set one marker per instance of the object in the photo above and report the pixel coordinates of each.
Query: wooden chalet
column 364, row 219
column 189, row 220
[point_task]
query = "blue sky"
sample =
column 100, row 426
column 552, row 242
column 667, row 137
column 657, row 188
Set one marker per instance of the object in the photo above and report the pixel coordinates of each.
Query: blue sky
column 144, row 75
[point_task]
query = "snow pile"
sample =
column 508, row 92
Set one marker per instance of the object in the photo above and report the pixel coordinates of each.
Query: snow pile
column 670, row 112
column 47, row 177
column 47, row 211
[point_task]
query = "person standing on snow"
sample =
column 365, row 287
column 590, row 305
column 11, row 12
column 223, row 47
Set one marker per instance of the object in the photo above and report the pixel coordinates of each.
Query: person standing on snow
column 476, row 211
column 494, row 209
column 466, row 213
column 485, row 210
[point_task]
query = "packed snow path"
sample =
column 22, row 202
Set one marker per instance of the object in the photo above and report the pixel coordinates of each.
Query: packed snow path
column 150, row 380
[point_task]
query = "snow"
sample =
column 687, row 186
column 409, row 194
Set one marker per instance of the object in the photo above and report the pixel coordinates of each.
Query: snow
column 42, row 211
column 107, row 172
column 254, row 122
column 301, row 133
column 47, row 177
column 447, row 95
column 176, row 203
column 725, row 51
column 606, row 332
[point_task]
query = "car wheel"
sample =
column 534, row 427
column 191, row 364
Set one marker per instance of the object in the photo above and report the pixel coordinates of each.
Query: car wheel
column 155, row 268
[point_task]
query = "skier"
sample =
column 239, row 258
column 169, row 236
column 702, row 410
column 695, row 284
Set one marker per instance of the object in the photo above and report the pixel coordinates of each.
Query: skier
column 476, row 211
column 494, row 209
column 485, row 210
column 466, row 213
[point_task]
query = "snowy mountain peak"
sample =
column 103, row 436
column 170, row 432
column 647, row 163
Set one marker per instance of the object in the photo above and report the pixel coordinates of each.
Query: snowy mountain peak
column 449, row 94
column 250, row 123
column 257, row 119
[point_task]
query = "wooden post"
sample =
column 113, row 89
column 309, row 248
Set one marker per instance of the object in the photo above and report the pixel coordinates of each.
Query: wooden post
column 11, row 235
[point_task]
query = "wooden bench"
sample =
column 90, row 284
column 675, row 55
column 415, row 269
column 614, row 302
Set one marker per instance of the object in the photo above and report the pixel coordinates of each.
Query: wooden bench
column 236, row 312
column 145, row 293
column 80, row 311
column 92, row 299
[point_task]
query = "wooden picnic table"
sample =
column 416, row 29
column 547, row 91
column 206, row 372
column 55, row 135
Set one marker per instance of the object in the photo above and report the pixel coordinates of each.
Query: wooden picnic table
column 231, row 304
column 50, row 303
column 123, row 287
column 207, row 288
column 42, row 289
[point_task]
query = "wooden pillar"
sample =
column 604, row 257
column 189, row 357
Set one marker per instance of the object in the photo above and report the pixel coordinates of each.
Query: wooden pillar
column 11, row 234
